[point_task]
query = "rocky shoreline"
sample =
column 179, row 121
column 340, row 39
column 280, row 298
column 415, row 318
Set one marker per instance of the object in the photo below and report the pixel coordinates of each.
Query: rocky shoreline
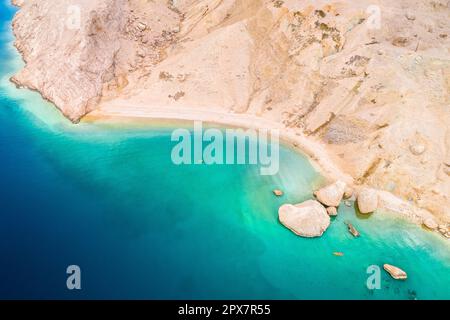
column 318, row 156
column 367, row 102
column 311, row 218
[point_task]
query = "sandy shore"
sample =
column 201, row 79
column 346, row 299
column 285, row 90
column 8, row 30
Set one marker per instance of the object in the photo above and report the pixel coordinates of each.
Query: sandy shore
column 316, row 151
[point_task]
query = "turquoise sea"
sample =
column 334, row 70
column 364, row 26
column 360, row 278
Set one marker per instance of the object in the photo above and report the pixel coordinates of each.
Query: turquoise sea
column 108, row 199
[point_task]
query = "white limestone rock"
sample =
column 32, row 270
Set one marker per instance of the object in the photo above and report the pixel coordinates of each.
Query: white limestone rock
column 308, row 219
column 367, row 200
column 331, row 195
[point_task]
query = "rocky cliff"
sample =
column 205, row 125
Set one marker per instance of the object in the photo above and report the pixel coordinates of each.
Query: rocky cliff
column 75, row 51
column 372, row 82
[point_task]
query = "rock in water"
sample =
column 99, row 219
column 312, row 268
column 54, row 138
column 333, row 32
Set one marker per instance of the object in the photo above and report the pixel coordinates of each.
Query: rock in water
column 332, row 211
column 352, row 230
column 367, row 200
column 395, row 272
column 308, row 219
column 331, row 195
column 278, row 193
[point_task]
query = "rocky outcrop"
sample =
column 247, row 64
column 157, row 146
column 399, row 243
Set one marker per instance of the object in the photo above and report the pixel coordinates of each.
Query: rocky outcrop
column 331, row 195
column 308, row 219
column 76, row 52
column 367, row 200
column 395, row 272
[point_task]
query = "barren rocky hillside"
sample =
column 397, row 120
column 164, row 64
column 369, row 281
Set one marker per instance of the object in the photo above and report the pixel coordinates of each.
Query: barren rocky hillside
column 369, row 79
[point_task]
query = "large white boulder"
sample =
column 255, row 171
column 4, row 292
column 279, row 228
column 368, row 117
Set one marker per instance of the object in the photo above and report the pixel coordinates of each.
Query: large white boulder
column 308, row 219
column 331, row 195
column 367, row 200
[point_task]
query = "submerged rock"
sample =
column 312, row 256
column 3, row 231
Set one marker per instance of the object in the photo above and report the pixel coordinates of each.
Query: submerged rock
column 367, row 200
column 278, row 193
column 352, row 230
column 332, row 194
column 308, row 219
column 395, row 272
column 338, row 254
column 332, row 211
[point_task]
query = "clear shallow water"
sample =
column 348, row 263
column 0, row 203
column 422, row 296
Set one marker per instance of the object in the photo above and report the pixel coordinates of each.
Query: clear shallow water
column 109, row 200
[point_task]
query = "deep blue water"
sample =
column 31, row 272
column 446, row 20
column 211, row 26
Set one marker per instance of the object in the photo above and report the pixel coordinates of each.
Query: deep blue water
column 108, row 198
